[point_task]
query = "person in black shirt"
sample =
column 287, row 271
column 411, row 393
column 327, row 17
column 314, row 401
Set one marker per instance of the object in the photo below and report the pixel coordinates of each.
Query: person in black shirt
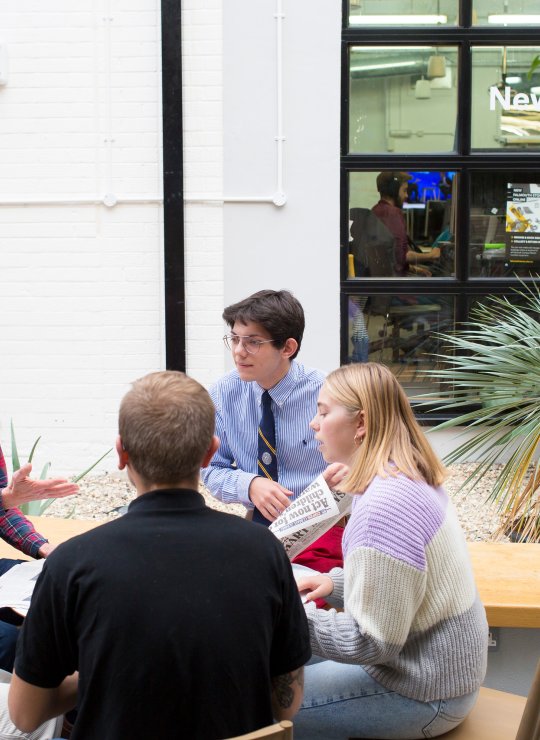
column 174, row 620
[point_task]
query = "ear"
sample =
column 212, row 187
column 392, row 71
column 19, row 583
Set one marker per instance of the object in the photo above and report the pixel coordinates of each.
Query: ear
column 360, row 425
column 122, row 454
column 210, row 452
column 289, row 348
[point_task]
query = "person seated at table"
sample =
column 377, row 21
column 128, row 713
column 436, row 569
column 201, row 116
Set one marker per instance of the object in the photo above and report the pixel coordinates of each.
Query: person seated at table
column 19, row 532
column 407, row 655
column 266, row 331
column 174, row 620
column 393, row 188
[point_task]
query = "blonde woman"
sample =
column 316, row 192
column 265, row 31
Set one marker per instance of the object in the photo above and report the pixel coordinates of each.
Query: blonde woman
column 406, row 656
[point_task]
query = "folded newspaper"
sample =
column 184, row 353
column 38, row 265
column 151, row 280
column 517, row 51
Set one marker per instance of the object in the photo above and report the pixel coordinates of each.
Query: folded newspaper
column 17, row 586
column 311, row 515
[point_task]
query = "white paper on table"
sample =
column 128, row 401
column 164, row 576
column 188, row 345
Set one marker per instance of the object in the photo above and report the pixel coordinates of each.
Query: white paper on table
column 17, row 586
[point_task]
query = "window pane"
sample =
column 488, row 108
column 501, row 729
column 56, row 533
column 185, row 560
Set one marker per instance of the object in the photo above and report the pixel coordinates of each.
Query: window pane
column 505, row 98
column 402, row 99
column 400, row 331
column 392, row 238
column 402, row 12
column 505, row 224
column 497, row 13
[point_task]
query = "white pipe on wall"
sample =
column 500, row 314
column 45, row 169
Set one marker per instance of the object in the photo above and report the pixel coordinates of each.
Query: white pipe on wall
column 279, row 198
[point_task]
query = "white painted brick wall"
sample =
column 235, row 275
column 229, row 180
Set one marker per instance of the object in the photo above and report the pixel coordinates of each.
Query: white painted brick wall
column 203, row 176
column 81, row 305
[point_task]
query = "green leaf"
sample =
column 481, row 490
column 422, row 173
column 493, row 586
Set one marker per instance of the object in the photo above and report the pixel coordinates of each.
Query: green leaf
column 33, row 449
column 534, row 65
column 493, row 365
column 14, row 453
column 81, row 475
column 45, row 471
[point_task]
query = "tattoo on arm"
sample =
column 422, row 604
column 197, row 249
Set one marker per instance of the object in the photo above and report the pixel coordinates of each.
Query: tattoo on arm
column 284, row 687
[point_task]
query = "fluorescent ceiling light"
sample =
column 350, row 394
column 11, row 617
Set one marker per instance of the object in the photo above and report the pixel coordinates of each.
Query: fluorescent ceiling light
column 509, row 19
column 513, row 80
column 371, row 49
column 385, row 65
column 397, row 20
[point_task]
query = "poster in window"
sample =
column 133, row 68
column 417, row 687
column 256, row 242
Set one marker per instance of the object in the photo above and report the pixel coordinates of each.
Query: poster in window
column 523, row 223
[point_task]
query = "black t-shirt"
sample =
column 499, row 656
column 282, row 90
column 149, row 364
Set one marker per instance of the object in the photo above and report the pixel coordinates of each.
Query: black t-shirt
column 175, row 615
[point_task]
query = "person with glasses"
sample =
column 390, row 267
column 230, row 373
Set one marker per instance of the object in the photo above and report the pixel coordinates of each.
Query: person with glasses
column 266, row 331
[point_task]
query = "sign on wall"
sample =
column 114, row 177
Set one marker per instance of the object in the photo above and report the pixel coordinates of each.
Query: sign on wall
column 523, row 223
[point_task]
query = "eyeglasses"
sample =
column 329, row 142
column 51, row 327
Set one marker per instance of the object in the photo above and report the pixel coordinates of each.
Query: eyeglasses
column 252, row 346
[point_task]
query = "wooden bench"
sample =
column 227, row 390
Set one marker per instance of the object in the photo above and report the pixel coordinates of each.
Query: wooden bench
column 508, row 579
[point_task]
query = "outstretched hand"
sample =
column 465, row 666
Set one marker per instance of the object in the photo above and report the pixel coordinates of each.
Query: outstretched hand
column 22, row 489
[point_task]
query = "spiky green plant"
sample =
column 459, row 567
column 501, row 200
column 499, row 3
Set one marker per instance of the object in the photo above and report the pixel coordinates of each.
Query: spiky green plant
column 37, row 508
column 492, row 366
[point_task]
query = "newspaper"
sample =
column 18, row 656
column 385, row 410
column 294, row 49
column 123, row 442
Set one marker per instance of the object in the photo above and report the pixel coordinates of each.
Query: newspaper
column 312, row 514
column 17, row 586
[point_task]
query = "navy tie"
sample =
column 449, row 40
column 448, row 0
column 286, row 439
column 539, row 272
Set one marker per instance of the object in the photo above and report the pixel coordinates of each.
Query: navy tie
column 266, row 449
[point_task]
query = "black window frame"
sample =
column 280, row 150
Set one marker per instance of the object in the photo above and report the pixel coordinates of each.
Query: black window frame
column 464, row 36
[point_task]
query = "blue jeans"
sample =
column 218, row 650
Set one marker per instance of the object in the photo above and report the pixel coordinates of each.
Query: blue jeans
column 342, row 701
column 8, row 622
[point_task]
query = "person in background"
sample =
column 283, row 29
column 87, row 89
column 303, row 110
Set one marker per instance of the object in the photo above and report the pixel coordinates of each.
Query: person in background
column 266, row 331
column 393, row 187
column 407, row 655
column 174, row 620
column 19, row 532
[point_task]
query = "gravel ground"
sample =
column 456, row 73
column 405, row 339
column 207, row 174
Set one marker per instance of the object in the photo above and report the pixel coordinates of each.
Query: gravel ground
column 101, row 496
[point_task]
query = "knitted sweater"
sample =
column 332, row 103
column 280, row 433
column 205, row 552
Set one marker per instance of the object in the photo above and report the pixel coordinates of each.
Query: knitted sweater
column 412, row 615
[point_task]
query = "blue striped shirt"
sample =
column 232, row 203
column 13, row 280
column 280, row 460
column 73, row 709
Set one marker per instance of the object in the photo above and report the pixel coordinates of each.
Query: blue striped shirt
column 238, row 410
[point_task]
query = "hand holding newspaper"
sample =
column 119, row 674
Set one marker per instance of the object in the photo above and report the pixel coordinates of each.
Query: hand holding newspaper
column 312, row 514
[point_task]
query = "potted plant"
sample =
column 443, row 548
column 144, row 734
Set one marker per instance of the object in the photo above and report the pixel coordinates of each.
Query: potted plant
column 492, row 373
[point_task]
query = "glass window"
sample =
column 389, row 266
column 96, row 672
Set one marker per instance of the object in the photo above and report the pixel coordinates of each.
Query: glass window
column 399, row 13
column 497, row 13
column 401, row 332
column 401, row 224
column 505, row 98
column 504, row 225
column 402, row 99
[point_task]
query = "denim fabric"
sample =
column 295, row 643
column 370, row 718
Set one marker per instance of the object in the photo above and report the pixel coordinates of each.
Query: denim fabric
column 342, row 701
column 8, row 622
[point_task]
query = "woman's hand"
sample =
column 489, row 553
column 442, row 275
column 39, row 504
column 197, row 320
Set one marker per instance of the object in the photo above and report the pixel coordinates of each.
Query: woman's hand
column 316, row 587
column 334, row 474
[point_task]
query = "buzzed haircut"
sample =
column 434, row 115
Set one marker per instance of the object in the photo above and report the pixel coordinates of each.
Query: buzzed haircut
column 166, row 423
column 277, row 311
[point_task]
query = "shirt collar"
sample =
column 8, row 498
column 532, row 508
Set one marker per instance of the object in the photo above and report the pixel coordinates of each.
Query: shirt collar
column 168, row 498
column 281, row 391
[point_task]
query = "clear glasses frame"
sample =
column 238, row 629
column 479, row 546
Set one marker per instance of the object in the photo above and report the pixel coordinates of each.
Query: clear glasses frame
column 251, row 345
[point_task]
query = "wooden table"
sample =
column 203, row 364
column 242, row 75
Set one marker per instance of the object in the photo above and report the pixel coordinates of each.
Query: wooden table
column 507, row 574
column 508, row 579
column 55, row 530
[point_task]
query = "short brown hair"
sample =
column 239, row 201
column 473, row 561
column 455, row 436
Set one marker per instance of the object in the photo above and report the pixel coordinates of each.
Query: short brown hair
column 277, row 311
column 394, row 442
column 389, row 183
column 166, row 423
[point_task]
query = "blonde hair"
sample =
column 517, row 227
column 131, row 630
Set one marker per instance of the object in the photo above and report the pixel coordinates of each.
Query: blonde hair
column 393, row 441
column 166, row 423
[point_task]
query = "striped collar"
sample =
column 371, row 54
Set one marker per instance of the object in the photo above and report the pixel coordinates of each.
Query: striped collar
column 281, row 391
